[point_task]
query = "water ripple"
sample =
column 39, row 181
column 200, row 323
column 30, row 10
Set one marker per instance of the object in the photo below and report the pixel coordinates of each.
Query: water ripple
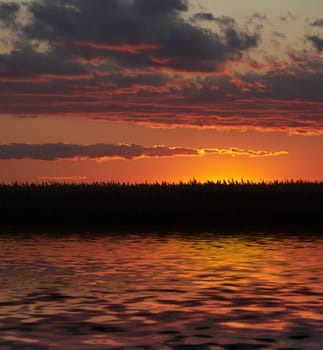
column 172, row 291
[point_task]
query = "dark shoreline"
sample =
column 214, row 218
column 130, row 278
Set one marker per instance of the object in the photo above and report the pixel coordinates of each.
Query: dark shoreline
column 290, row 205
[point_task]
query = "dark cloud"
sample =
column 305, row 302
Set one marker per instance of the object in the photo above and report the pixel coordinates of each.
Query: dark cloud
column 318, row 23
column 204, row 16
column 156, row 7
column 288, row 17
column 8, row 12
column 286, row 98
column 283, row 85
column 28, row 63
column 220, row 20
column 156, row 23
column 141, row 61
column 258, row 16
column 279, row 35
column 317, row 42
column 56, row 151
column 256, row 21
column 305, row 86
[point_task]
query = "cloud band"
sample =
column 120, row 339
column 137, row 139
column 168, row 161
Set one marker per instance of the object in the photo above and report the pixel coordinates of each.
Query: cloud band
column 104, row 152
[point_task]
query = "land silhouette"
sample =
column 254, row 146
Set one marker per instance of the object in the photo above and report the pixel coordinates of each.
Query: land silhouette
column 223, row 204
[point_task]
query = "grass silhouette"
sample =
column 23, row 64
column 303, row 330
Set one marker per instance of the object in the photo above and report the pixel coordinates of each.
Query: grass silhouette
column 194, row 203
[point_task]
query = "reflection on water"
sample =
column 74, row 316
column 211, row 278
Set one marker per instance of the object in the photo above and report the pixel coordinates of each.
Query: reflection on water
column 171, row 291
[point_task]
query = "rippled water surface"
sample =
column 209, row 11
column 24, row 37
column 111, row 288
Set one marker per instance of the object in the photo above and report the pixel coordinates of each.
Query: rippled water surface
column 161, row 291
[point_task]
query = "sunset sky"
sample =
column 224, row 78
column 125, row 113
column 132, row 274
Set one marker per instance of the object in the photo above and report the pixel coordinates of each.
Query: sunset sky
column 161, row 90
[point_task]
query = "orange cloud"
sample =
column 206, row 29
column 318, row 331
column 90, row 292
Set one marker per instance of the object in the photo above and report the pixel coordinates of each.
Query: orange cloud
column 122, row 47
column 241, row 152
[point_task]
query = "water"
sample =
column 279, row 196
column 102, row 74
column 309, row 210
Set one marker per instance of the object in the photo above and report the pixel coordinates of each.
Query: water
column 153, row 291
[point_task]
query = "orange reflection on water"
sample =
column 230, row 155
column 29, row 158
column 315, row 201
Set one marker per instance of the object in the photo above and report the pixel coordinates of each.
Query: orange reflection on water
column 159, row 289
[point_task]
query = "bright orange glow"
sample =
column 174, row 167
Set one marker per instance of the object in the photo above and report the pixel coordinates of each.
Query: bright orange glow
column 301, row 162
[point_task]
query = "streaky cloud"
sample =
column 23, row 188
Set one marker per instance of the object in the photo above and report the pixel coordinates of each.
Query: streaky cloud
column 155, row 62
column 105, row 152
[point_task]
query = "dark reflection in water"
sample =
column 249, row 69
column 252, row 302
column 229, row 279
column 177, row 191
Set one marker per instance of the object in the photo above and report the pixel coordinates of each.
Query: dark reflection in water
column 171, row 291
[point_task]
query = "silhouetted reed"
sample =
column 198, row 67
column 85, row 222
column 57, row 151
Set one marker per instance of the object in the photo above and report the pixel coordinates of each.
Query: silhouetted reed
column 224, row 203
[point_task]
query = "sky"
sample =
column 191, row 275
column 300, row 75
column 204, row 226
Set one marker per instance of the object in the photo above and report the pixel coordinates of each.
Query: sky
column 161, row 90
